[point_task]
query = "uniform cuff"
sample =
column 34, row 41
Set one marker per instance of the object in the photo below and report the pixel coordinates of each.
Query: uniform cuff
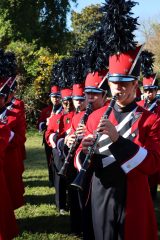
column 42, row 126
column 123, row 149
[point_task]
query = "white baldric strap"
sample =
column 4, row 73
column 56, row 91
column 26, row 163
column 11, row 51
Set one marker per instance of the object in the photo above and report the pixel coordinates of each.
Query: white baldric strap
column 152, row 106
column 118, row 127
column 108, row 160
column 3, row 114
column 59, row 110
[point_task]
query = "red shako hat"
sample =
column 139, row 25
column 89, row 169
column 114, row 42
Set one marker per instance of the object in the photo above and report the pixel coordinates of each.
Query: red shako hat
column 55, row 91
column 150, row 82
column 78, row 91
column 125, row 67
column 96, row 82
column 66, row 93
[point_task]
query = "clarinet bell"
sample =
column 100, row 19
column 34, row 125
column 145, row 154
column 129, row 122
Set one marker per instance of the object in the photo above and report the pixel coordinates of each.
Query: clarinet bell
column 78, row 183
column 63, row 170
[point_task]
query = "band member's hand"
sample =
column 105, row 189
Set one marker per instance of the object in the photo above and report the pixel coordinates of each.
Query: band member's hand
column 87, row 142
column 80, row 131
column 69, row 140
column 106, row 127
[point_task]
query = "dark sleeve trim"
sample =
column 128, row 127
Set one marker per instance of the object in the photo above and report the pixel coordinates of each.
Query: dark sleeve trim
column 123, row 149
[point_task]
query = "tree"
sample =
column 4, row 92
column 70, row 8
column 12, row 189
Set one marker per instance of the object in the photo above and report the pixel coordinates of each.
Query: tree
column 33, row 75
column 151, row 33
column 41, row 21
column 84, row 24
column 5, row 31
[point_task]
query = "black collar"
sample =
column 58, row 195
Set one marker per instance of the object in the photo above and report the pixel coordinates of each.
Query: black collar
column 127, row 108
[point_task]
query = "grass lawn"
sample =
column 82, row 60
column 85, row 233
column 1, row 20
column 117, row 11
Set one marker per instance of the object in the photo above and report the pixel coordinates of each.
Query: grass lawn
column 39, row 219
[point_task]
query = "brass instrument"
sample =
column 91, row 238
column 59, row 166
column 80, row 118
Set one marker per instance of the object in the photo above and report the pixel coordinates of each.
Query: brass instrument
column 71, row 152
column 79, row 180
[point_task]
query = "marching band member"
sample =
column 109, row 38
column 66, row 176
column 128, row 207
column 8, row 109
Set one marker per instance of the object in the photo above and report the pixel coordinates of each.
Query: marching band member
column 12, row 165
column 17, row 106
column 127, row 149
column 46, row 113
column 58, row 127
column 151, row 103
column 8, row 226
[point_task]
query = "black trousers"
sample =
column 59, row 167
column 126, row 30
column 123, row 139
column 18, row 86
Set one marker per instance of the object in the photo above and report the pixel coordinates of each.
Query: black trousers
column 74, row 203
column 48, row 152
column 60, row 183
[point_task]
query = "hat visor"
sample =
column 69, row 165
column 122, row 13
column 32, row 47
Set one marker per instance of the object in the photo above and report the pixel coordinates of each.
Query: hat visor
column 67, row 98
column 55, row 95
column 121, row 78
column 150, row 87
column 78, row 98
column 92, row 90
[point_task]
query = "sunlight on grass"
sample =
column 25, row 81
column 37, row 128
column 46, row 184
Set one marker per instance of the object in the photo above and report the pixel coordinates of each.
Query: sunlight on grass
column 39, row 218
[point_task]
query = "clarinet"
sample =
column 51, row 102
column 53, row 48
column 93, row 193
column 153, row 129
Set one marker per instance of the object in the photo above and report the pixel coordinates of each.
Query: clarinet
column 146, row 102
column 72, row 150
column 153, row 106
column 78, row 183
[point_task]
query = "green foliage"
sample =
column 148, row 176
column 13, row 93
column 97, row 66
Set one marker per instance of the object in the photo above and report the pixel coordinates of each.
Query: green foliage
column 34, row 74
column 25, row 54
column 84, row 24
column 5, row 30
column 40, row 21
column 36, row 32
column 39, row 218
column 45, row 64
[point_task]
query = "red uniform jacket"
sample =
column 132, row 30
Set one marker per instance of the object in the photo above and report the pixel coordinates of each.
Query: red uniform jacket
column 22, row 121
column 155, row 104
column 8, row 226
column 13, row 166
column 155, row 108
column 65, row 124
column 52, row 128
column 45, row 113
column 19, row 104
column 138, row 158
column 75, row 121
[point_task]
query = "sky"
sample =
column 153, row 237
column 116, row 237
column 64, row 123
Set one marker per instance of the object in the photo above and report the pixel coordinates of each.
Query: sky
column 146, row 10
